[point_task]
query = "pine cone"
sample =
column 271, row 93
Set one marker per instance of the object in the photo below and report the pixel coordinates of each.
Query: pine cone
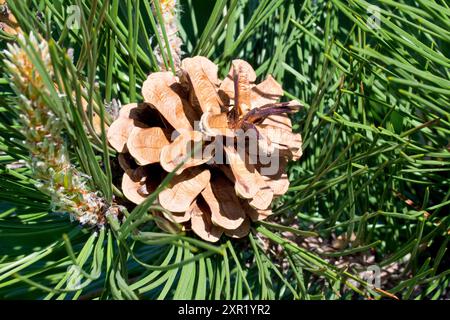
column 8, row 22
column 219, row 129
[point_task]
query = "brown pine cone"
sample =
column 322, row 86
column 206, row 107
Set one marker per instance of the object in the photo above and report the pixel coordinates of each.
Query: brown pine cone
column 229, row 139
